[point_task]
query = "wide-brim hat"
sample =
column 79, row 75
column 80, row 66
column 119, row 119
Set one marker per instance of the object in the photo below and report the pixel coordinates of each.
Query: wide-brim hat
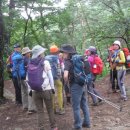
column 68, row 49
column 37, row 50
column 25, row 50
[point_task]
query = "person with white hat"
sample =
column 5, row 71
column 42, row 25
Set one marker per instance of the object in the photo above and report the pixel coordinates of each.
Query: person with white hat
column 119, row 63
column 28, row 103
column 46, row 89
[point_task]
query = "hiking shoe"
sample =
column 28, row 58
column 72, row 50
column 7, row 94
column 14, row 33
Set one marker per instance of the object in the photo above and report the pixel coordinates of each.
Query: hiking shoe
column 125, row 99
column 95, row 104
column 31, row 112
column 61, row 112
column 85, row 125
column 77, row 129
column 25, row 109
column 54, row 128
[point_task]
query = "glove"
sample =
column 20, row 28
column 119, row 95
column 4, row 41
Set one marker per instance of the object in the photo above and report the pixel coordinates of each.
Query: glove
column 53, row 91
column 30, row 93
column 116, row 61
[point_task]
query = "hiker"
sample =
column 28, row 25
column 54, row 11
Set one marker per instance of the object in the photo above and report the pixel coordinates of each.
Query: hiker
column 91, row 54
column 119, row 64
column 77, row 91
column 66, row 87
column 28, row 103
column 18, row 72
column 53, row 58
column 42, row 86
column 113, row 71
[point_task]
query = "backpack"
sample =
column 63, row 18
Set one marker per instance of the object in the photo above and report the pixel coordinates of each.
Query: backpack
column 97, row 67
column 82, row 74
column 18, row 69
column 35, row 72
column 53, row 60
column 127, row 56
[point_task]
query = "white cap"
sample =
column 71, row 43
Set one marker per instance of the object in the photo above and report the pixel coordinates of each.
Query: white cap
column 25, row 50
column 37, row 50
column 117, row 43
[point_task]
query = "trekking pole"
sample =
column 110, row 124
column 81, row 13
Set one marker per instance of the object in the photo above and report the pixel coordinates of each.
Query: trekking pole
column 108, row 102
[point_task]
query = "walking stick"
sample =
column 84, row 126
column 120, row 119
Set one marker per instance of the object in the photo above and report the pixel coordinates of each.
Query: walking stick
column 108, row 102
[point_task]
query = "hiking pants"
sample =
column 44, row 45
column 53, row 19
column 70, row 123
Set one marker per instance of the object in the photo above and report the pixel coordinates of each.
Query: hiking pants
column 79, row 101
column 59, row 88
column 27, row 100
column 24, row 91
column 93, row 90
column 121, row 76
column 113, row 79
column 31, row 104
column 17, row 86
column 45, row 96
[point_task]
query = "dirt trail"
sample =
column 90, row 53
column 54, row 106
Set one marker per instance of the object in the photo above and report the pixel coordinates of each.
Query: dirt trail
column 103, row 117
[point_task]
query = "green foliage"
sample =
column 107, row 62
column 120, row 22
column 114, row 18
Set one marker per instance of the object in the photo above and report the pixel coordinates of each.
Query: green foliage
column 81, row 23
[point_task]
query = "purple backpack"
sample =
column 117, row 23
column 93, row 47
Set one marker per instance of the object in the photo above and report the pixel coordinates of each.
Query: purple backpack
column 35, row 71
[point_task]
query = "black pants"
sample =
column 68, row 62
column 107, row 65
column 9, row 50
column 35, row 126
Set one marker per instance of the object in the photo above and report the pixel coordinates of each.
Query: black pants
column 113, row 79
column 17, row 86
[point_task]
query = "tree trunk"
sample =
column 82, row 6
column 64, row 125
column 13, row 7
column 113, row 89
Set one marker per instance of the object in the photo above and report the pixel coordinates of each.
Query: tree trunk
column 1, row 53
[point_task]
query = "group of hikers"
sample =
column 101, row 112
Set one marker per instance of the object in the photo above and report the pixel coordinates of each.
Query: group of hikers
column 38, row 77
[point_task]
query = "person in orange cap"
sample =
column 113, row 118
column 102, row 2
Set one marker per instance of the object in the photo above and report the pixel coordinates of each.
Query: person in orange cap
column 53, row 58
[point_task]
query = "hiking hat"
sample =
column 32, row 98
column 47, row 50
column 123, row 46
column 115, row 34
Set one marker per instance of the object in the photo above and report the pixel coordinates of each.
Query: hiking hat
column 86, row 52
column 37, row 50
column 92, row 49
column 68, row 49
column 25, row 50
column 17, row 45
column 117, row 43
column 54, row 49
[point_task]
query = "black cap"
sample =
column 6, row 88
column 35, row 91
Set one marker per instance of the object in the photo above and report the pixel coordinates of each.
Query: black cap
column 68, row 49
column 17, row 45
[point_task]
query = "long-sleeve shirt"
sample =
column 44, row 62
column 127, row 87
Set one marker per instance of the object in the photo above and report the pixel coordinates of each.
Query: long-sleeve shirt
column 119, row 56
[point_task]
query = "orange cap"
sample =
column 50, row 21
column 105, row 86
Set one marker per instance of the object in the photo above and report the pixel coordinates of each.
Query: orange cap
column 54, row 49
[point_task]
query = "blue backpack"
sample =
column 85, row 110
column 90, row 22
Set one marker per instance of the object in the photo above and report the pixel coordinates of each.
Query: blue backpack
column 53, row 60
column 81, row 69
column 18, row 69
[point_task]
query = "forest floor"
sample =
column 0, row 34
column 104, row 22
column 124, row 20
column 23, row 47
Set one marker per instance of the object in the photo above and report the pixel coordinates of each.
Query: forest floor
column 103, row 117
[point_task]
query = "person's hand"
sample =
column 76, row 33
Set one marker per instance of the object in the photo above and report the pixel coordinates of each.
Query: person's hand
column 53, row 91
column 116, row 61
column 30, row 93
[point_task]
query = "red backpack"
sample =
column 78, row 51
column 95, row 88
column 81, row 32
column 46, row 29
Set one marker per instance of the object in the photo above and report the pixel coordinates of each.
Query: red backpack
column 127, row 56
column 97, row 67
